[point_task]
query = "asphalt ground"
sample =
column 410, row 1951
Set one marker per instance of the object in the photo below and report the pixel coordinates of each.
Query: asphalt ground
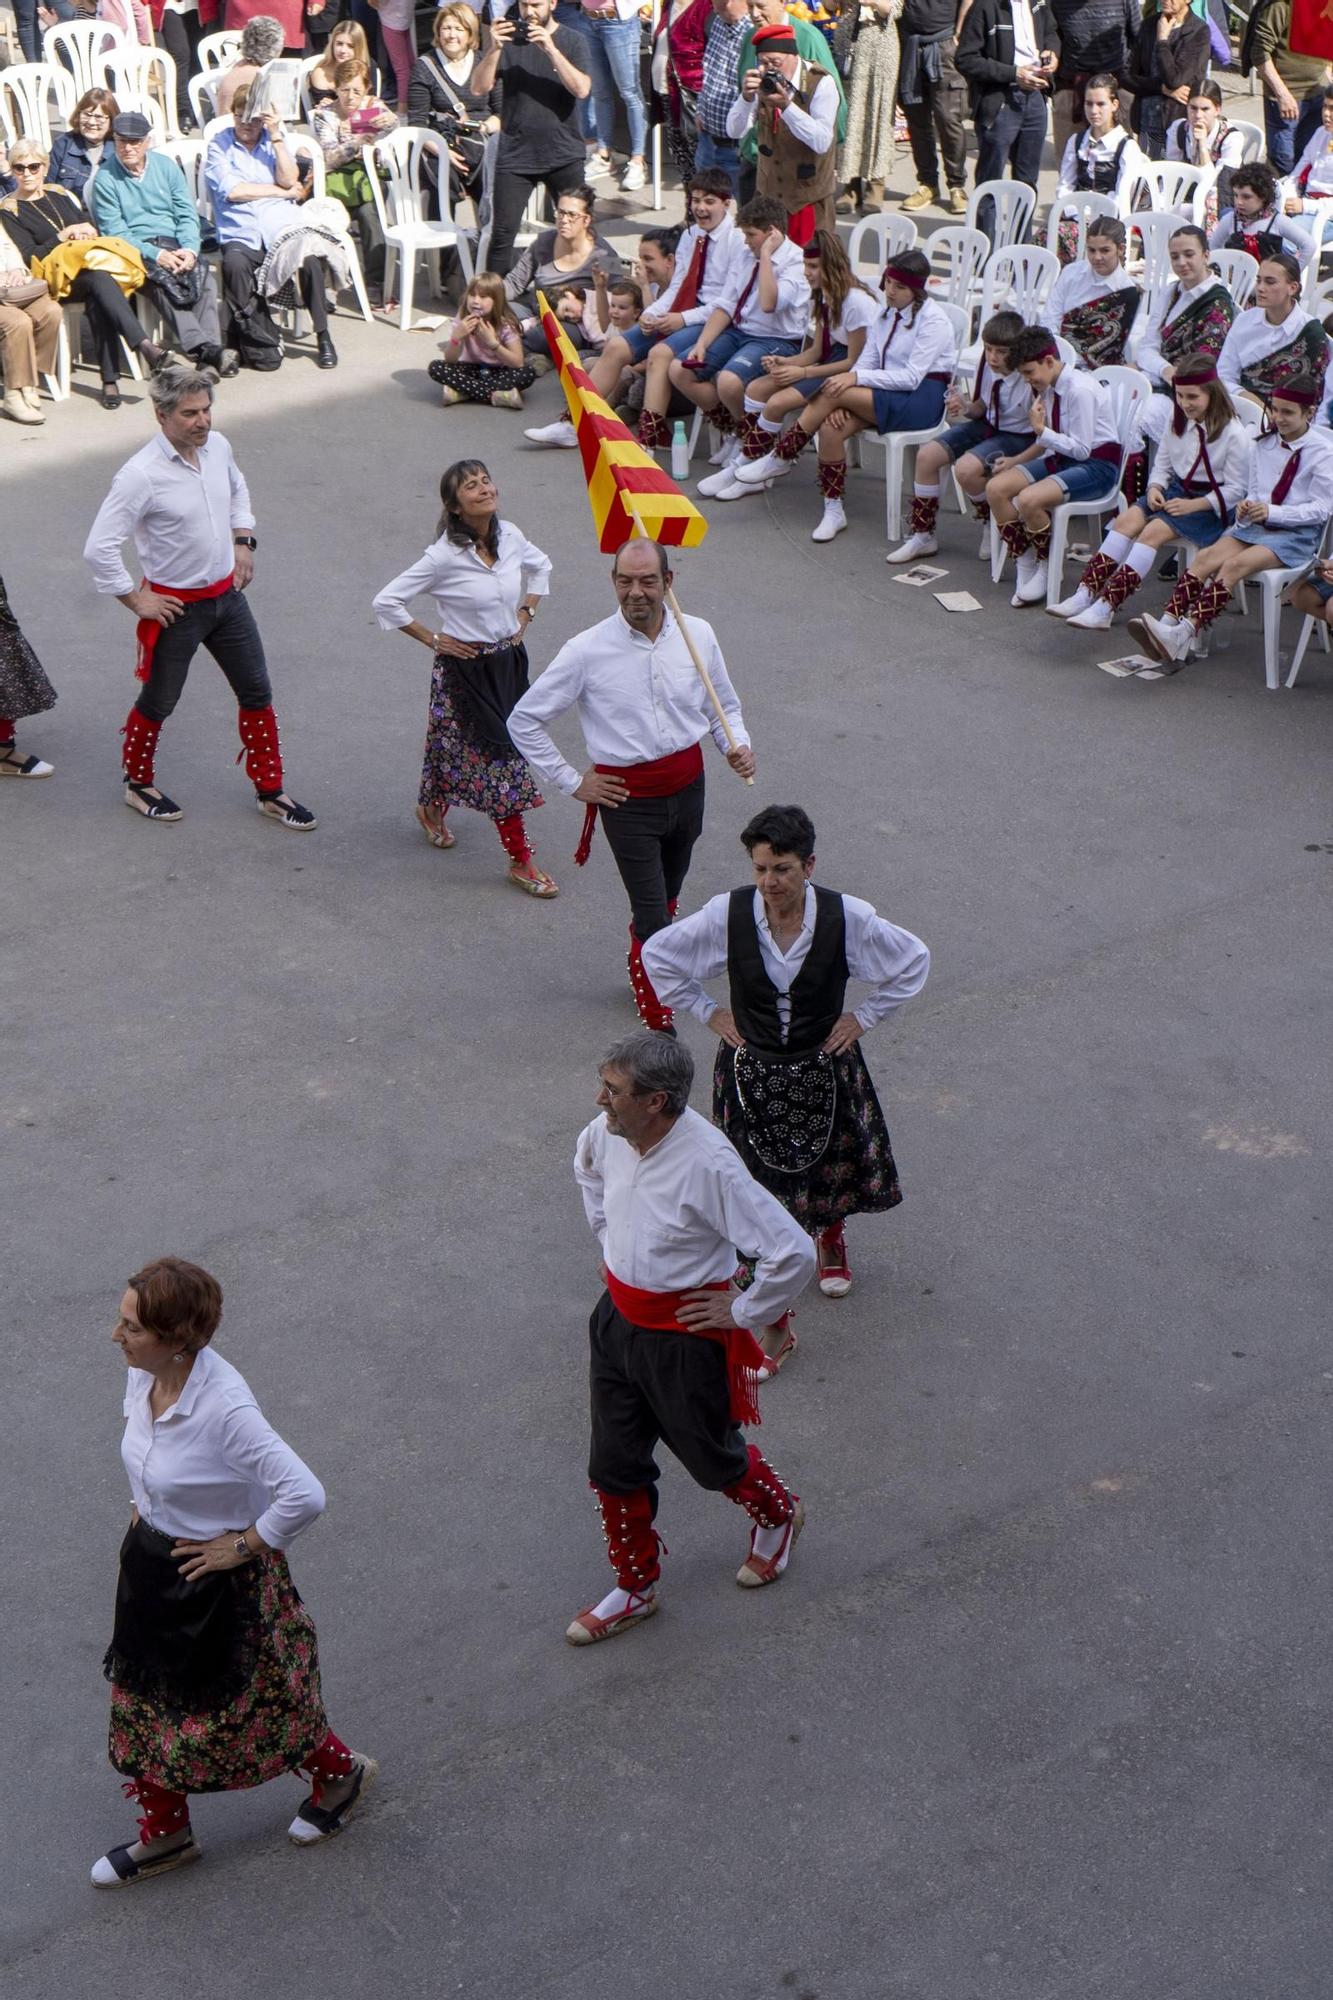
column 1040, row 1710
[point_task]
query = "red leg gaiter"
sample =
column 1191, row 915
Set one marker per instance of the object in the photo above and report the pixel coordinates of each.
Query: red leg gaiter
column 632, row 1542
column 722, row 420
column 1213, row 599
column 164, row 1812
column 513, row 837
column 791, row 444
column 654, row 434
column 925, row 512
column 329, row 1761
column 761, row 1493
column 1040, row 541
column 1098, row 574
column 753, row 442
column 141, row 736
column 981, row 510
column 651, row 1011
column 6, row 732
column 1015, row 537
column 832, row 477
column 259, row 747
column 1184, row 597
column 1121, row 585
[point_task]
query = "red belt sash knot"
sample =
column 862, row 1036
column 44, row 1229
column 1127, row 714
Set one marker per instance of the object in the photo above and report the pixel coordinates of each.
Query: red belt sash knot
column 659, row 779
column 745, row 1357
column 148, row 631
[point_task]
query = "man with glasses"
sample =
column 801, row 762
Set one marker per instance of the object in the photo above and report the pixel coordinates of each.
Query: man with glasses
column 144, row 197
column 544, row 72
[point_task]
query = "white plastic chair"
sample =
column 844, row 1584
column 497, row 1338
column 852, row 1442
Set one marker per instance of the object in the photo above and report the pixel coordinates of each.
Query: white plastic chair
column 957, row 256
column 199, row 90
column 1013, row 201
column 139, row 78
column 1019, row 280
column 1321, row 230
column 1238, row 271
column 1307, row 628
column 1272, row 583
column 897, row 444
column 881, row 237
column 1252, row 137
column 1083, row 207
column 81, row 48
column 308, row 63
column 1154, row 230
column 304, row 147
column 24, row 91
column 218, row 51
column 1129, row 390
column 394, row 167
column 1169, row 184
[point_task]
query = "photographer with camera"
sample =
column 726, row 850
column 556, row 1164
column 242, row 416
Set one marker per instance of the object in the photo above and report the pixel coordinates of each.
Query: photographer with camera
column 794, row 110
column 441, row 97
column 543, row 74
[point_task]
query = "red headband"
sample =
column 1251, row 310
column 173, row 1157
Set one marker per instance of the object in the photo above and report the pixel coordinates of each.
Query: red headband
column 1049, row 351
column 915, row 281
column 1203, row 372
column 1295, row 392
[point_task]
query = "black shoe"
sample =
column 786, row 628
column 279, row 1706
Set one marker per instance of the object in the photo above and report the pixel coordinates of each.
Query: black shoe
column 286, row 811
column 314, row 1822
column 151, row 802
column 1170, row 570
column 228, row 361
column 110, row 396
column 326, row 354
column 118, row 1869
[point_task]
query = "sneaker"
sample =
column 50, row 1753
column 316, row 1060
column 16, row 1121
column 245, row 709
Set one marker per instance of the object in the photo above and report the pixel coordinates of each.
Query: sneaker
column 140, row 1859
column 983, row 546
column 1095, row 618
column 315, row 1822
column 758, row 471
column 1031, row 580
column 507, row 399
column 562, row 435
column 634, row 177
column 1069, row 607
column 914, row 547
column 616, row 1613
column 956, row 202
column 1162, row 640
column 597, row 167
column 765, row 1565
column 723, row 453
column 736, row 491
column 831, row 522
column 714, row 483
column 924, row 197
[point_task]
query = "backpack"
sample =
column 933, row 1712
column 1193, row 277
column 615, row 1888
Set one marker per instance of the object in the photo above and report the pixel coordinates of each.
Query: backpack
column 256, row 339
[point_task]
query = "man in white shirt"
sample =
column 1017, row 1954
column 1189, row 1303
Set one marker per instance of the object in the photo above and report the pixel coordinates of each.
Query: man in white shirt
column 793, row 108
column 184, row 504
column 791, row 1088
column 674, row 1358
column 644, row 712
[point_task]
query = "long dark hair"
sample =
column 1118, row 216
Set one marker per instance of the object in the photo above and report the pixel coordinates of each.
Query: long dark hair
column 1220, row 408
column 451, row 523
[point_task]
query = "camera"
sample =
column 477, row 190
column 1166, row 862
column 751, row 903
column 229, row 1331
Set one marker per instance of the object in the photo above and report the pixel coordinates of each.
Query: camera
column 770, row 83
column 520, row 36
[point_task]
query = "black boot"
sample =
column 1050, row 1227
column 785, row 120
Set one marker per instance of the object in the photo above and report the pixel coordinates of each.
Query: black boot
column 326, row 354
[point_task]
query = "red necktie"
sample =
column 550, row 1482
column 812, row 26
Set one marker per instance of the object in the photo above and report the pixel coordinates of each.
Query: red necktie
column 1285, row 483
column 740, row 303
column 976, row 386
column 1055, row 411
column 688, row 295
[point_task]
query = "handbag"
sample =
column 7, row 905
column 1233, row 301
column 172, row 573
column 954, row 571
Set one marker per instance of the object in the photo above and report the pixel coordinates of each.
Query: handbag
column 182, row 289
column 23, row 294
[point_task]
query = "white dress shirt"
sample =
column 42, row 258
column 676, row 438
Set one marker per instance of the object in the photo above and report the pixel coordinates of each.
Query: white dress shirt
column 1229, row 454
column 813, row 124
column 1026, row 53
column 1007, row 400
column 474, row 600
column 900, row 351
column 1096, row 152
column 212, row 1463
column 726, row 248
column 1318, row 157
column 859, row 310
column 677, row 1217
column 1253, row 337
column 638, row 698
column 1164, row 312
column 1298, row 240
column 1078, row 285
column 790, row 316
column 680, row 958
column 1309, row 501
column 1079, row 414
column 180, row 516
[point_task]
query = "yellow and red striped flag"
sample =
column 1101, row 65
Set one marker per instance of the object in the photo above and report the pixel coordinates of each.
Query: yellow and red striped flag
column 627, row 490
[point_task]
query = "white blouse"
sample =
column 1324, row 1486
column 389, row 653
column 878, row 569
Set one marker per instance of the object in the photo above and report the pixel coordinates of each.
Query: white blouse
column 1309, row 501
column 1097, row 151
column 1253, row 337
column 212, row 1463
column 1318, row 157
column 474, row 602
column 1229, row 454
column 1078, row 285
column 900, row 352
column 859, row 309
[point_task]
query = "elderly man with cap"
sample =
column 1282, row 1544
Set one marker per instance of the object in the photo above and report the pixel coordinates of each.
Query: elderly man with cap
column 793, row 108
column 143, row 196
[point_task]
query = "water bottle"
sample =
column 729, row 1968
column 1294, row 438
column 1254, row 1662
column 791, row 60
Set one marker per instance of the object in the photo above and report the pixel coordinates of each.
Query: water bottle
column 680, row 452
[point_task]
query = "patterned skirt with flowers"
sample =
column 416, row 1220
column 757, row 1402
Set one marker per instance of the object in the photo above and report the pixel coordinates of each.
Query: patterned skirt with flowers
column 458, row 772
column 272, row 1715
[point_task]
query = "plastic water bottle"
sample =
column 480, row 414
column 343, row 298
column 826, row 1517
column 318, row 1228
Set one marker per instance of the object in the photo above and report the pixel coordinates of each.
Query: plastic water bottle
column 680, row 452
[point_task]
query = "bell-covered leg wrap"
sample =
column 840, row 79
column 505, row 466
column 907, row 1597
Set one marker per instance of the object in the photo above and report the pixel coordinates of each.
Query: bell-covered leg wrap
column 514, row 837
column 1015, row 537
column 164, row 1812
column 651, row 1011
column 792, row 443
column 1185, row 596
column 140, row 734
column 1120, row 585
column 1098, row 574
column 1212, row 601
column 832, row 477
column 753, row 442
column 259, row 747
column 654, row 431
column 328, row 1763
column 1039, row 540
column 925, row 512
column 632, row 1543
column 762, row 1494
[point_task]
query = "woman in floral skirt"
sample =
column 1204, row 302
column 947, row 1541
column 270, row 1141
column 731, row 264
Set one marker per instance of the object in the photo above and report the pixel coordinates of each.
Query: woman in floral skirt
column 867, row 38
column 213, row 1663
column 487, row 581
column 24, row 690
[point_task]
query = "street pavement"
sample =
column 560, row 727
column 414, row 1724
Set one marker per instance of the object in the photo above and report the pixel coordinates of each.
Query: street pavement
column 1039, row 1711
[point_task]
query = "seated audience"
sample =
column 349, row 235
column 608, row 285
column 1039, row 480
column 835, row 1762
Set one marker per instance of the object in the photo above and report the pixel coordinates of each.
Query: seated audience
column 440, row 99
column 347, row 44
column 1073, row 421
column 341, row 131
column 1102, row 159
column 1279, row 524
column 1311, row 187
column 1275, row 338
column 29, row 331
column 143, row 196
column 615, row 372
column 1200, row 474
column 1314, row 593
column 1255, row 221
column 261, row 42
column 558, row 259
column 38, row 221
column 987, row 431
column 898, row 383
column 1094, row 299
column 1203, row 138
column 77, row 152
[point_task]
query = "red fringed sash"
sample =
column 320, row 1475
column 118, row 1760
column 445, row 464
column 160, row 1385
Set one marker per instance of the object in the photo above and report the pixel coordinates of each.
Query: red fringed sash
column 148, row 631
column 745, row 1357
column 657, row 780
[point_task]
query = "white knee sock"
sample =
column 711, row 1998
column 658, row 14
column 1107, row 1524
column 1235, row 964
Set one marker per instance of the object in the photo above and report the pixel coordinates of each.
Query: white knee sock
column 1116, row 546
column 926, row 492
column 1141, row 559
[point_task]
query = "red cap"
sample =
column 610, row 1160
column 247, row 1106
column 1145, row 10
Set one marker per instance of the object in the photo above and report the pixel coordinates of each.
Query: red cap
column 776, row 39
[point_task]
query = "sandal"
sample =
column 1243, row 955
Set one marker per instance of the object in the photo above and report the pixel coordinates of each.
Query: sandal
column 12, row 765
column 146, row 799
column 438, row 836
column 536, row 884
column 773, row 1362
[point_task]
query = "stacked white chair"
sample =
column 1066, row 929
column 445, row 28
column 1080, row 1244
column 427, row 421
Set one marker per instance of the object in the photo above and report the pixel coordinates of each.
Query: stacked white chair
column 394, row 165
column 25, row 91
column 957, row 256
column 145, row 80
column 875, row 241
column 1082, row 208
column 1012, row 203
column 81, row 48
column 1238, row 271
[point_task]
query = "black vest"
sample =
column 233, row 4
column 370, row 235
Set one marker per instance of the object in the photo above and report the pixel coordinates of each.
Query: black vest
column 1259, row 243
column 1101, row 176
column 818, row 989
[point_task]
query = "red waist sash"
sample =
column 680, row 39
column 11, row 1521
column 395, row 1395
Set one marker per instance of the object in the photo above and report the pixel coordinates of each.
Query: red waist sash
column 657, row 1310
column 657, row 780
column 148, row 631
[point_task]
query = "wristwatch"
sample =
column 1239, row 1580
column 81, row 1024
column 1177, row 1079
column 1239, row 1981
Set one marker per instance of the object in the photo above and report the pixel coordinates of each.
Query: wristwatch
column 243, row 1549
column 245, row 542
column 531, row 610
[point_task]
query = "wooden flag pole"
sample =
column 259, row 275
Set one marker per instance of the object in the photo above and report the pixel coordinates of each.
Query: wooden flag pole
column 687, row 636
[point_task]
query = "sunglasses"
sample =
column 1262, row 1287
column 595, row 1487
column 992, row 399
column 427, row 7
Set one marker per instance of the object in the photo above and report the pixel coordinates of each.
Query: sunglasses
column 27, row 166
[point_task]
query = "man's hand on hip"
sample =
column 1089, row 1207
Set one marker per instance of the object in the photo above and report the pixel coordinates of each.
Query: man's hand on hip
column 601, row 788
column 698, row 1310
column 245, row 566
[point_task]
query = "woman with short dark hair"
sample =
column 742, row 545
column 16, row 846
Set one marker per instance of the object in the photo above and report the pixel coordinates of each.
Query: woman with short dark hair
column 213, row 1662
column 77, row 152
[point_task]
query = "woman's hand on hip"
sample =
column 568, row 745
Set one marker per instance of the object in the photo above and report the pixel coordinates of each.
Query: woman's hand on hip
column 198, row 1559
column 455, row 649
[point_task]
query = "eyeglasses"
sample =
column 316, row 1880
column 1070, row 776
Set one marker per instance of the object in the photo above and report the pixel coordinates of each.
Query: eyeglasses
column 27, row 166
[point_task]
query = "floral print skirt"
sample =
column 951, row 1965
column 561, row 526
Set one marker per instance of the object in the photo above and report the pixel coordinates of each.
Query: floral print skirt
column 855, row 1175
column 270, row 1726
column 456, row 773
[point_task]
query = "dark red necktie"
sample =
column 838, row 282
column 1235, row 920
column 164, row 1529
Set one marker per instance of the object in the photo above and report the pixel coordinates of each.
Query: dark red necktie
column 1285, row 483
column 688, row 295
column 740, row 303
column 1055, row 411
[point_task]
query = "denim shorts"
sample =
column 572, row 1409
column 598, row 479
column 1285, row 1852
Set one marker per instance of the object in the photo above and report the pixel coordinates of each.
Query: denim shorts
column 977, row 436
column 812, row 384
column 1085, row 479
column 741, row 354
column 639, row 343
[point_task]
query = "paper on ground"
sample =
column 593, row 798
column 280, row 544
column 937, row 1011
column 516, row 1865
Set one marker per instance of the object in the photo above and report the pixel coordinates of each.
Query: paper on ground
column 957, row 600
column 1127, row 664
column 920, row 573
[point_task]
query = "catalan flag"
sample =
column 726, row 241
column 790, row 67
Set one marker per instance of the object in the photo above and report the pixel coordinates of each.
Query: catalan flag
column 628, row 491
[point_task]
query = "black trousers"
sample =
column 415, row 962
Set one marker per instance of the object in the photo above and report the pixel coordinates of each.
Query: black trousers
column 179, row 36
column 510, row 196
column 940, row 113
column 239, row 264
column 109, row 316
column 1012, row 133
column 652, row 841
column 226, row 628
column 648, row 1387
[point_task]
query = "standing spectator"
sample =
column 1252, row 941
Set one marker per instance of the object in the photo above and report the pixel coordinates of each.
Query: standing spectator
column 144, row 197
column 179, row 31
column 396, row 32
column 811, row 46
column 1095, row 36
column 934, row 100
column 678, row 71
column 130, row 18
column 544, row 78
column 77, row 152
column 1006, row 51
column 793, row 110
column 868, row 42
column 441, row 98
column 726, row 31
column 611, row 43
column 1167, row 64
column 1286, row 78
column 1102, row 159
column 285, row 16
